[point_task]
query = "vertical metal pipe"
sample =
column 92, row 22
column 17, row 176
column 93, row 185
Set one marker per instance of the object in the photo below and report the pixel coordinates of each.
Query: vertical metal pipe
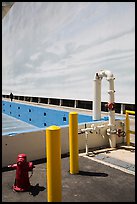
column 86, row 134
column 75, row 104
column 127, row 129
column 60, row 102
column 73, row 142
column 122, row 108
column 97, row 99
column 48, row 100
column 111, row 91
column 111, row 100
column 97, row 102
column 53, row 150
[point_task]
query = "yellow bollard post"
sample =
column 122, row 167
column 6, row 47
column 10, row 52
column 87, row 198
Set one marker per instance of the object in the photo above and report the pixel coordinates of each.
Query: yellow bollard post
column 127, row 129
column 73, row 142
column 53, row 151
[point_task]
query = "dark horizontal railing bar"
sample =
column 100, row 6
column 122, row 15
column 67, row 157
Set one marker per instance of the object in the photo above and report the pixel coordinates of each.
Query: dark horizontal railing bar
column 119, row 107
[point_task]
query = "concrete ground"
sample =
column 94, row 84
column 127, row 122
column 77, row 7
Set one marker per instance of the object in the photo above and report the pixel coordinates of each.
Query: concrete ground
column 99, row 179
column 105, row 175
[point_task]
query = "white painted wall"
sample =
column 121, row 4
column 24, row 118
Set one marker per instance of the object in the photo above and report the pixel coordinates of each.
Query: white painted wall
column 33, row 144
column 53, row 49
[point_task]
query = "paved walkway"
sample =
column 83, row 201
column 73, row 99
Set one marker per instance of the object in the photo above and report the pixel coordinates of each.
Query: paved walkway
column 122, row 157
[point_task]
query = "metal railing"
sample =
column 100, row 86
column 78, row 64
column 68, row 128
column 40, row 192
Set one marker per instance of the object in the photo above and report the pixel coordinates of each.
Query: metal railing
column 128, row 131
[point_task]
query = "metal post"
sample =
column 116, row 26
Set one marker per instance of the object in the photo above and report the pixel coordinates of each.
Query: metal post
column 75, row 104
column 86, row 133
column 127, row 129
column 122, row 108
column 73, row 142
column 53, row 150
column 60, row 102
column 48, row 100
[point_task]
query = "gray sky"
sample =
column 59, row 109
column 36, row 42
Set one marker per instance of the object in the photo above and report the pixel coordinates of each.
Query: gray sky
column 53, row 49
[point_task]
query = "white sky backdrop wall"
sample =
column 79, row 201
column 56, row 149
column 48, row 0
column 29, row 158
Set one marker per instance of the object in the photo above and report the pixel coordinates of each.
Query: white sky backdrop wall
column 53, row 49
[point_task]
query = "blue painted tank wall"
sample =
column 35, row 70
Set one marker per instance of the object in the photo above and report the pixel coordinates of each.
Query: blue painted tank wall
column 39, row 116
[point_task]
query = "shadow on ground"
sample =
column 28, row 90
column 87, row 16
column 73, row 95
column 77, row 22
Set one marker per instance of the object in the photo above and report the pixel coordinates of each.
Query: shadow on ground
column 87, row 173
column 34, row 190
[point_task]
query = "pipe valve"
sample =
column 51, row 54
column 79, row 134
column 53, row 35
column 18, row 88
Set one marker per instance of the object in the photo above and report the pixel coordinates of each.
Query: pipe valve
column 121, row 133
column 110, row 106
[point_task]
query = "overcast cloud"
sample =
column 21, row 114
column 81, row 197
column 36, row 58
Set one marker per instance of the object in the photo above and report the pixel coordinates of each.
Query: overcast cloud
column 53, row 49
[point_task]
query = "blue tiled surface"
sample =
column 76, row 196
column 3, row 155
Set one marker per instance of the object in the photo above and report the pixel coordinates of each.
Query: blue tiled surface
column 40, row 116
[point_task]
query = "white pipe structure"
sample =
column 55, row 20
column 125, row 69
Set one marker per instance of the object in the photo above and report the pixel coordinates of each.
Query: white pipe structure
column 97, row 101
column 86, row 134
column 91, row 130
column 86, row 130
